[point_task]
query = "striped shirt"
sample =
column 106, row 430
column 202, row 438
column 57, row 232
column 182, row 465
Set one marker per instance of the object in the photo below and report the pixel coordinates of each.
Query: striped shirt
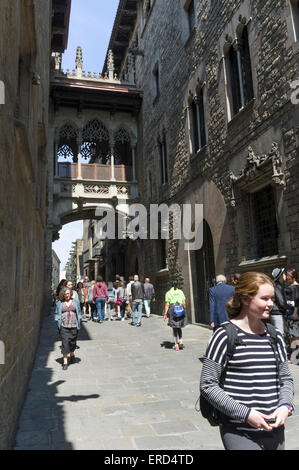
column 251, row 379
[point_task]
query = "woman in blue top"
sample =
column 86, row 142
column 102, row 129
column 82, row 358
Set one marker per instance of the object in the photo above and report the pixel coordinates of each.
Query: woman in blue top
column 68, row 318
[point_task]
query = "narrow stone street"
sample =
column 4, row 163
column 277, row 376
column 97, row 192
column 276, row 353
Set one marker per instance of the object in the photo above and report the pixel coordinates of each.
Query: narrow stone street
column 128, row 390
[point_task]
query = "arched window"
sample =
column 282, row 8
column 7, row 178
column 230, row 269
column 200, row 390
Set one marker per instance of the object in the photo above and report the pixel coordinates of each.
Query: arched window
column 67, row 150
column 95, row 143
column 198, row 121
column 122, row 150
column 239, row 71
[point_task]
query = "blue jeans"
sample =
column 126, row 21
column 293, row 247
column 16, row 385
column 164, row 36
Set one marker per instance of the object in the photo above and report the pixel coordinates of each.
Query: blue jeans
column 135, row 306
column 100, row 303
column 147, row 307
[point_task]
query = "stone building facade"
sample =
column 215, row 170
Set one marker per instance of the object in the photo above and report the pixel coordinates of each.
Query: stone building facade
column 25, row 50
column 218, row 126
column 55, row 269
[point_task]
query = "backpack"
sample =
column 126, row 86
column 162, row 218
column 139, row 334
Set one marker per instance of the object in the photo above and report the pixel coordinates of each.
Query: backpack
column 178, row 310
column 208, row 411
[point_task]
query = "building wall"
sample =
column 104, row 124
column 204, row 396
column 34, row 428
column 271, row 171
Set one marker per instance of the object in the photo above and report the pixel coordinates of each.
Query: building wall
column 55, row 269
column 24, row 49
column 187, row 61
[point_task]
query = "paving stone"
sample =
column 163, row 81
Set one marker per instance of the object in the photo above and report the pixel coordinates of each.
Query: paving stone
column 110, row 407
column 173, row 427
column 137, row 430
column 161, row 443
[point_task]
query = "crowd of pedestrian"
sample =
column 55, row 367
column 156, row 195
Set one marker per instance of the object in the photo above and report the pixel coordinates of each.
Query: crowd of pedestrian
column 245, row 377
column 98, row 301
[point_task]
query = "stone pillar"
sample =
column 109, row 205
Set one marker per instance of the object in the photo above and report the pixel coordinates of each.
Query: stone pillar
column 56, row 169
column 112, row 161
column 79, row 142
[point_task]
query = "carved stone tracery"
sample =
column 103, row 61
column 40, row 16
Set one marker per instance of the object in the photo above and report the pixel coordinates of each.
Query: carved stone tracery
column 67, row 143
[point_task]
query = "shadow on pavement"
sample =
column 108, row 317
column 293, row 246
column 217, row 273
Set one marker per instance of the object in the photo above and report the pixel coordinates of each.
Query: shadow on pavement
column 167, row 345
column 42, row 424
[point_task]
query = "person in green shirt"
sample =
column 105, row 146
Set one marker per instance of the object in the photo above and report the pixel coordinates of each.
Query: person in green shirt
column 175, row 298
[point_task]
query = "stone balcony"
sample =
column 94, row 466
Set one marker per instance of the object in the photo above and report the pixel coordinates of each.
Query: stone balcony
column 95, row 181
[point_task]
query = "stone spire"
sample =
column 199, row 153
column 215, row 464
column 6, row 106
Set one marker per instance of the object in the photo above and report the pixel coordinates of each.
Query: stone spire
column 110, row 65
column 79, row 61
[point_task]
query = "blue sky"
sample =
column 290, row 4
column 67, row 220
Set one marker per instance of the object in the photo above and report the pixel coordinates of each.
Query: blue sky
column 91, row 25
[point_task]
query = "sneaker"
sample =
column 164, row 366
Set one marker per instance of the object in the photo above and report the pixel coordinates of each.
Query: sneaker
column 176, row 347
column 138, row 324
column 64, row 367
column 122, row 319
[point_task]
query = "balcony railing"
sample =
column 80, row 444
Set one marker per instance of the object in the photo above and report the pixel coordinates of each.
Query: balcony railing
column 96, row 172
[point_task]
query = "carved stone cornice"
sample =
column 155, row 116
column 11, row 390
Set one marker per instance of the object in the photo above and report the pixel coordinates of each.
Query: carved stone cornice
column 259, row 169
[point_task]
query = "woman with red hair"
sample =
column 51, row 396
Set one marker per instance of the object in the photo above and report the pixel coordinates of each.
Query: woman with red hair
column 253, row 389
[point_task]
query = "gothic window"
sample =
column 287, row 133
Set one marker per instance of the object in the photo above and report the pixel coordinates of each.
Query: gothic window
column 295, row 17
column 123, row 147
column 198, row 122
column 239, row 72
column 163, row 159
column 67, row 144
column 95, row 143
column 266, row 224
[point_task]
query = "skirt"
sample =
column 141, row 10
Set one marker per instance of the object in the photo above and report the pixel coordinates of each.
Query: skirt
column 69, row 339
column 176, row 322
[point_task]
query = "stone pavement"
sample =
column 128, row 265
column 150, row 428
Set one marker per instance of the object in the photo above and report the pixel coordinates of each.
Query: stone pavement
column 129, row 390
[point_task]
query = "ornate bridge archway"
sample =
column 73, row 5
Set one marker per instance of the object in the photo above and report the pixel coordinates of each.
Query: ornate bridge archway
column 94, row 130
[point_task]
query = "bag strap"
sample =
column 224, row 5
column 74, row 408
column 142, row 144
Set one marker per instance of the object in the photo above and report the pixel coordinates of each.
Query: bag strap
column 233, row 340
column 274, row 345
